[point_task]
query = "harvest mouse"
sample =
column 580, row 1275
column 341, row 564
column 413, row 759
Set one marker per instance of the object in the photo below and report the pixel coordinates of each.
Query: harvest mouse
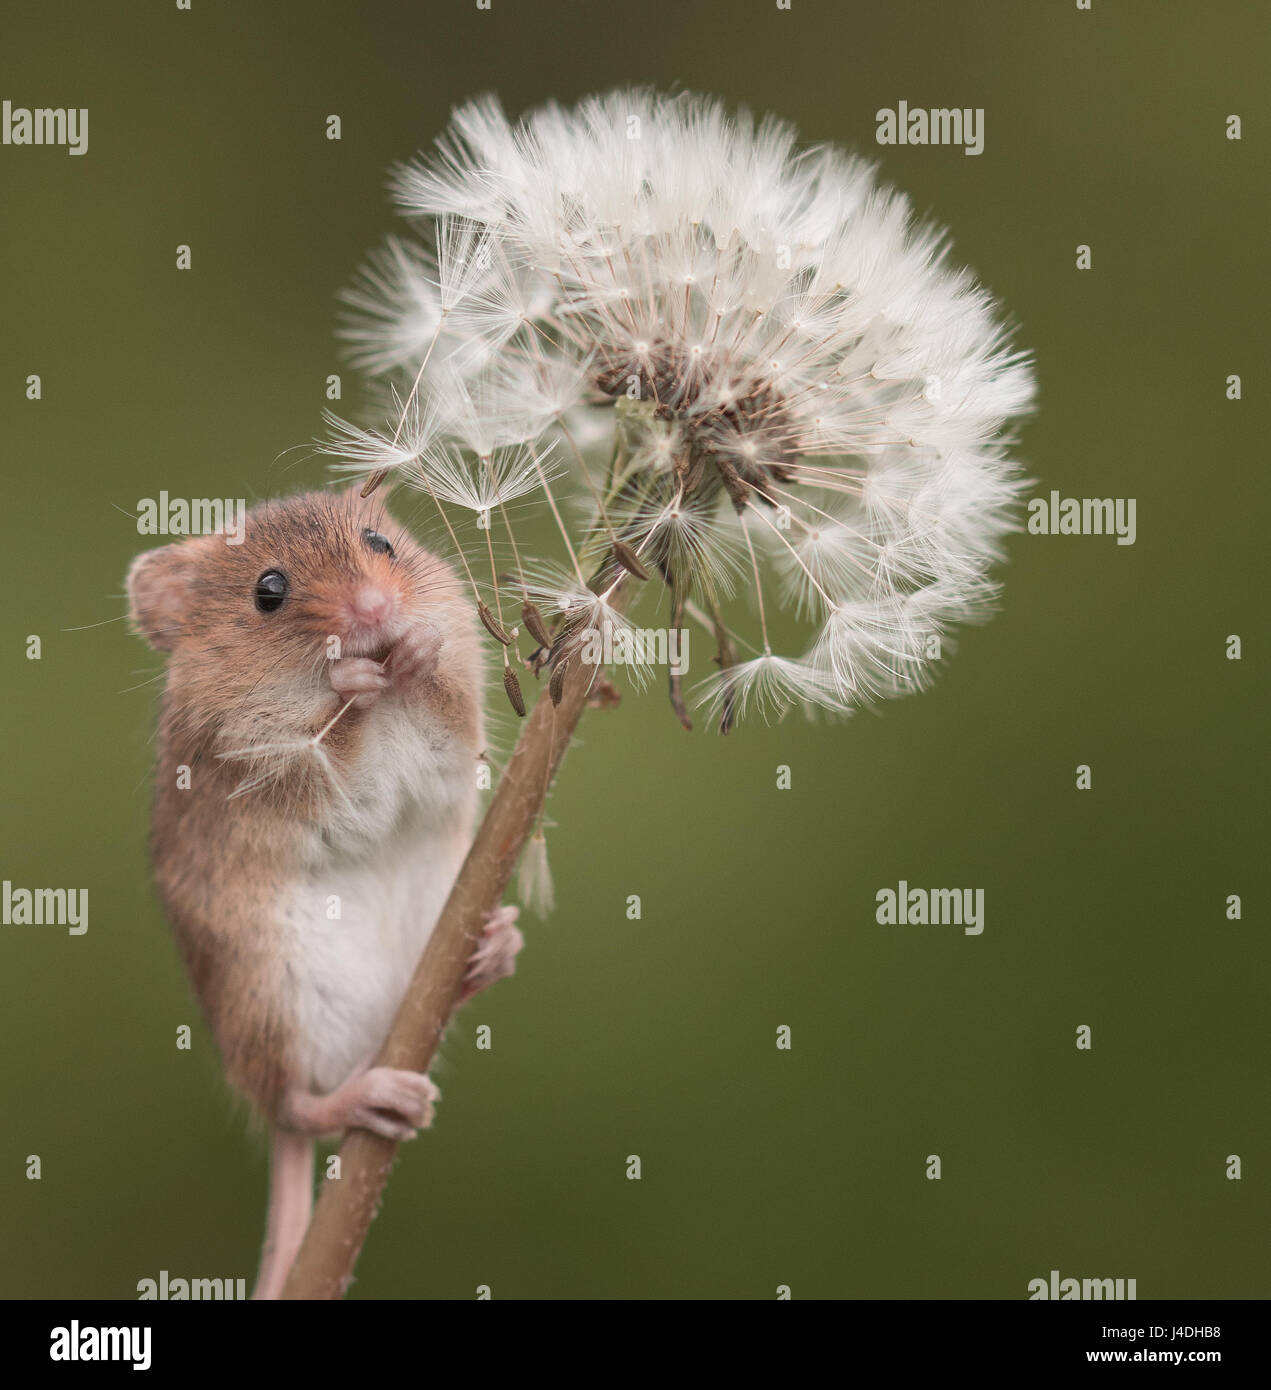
column 316, row 789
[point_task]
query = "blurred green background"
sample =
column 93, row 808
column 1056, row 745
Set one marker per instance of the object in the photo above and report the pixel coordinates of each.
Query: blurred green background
column 1103, row 907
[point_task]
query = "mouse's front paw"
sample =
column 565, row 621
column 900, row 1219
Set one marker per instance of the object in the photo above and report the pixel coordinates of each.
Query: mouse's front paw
column 357, row 675
column 494, row 957
column 414, row 655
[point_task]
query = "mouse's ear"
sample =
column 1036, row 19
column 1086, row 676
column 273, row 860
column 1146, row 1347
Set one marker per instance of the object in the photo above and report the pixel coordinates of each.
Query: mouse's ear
column 160, row 593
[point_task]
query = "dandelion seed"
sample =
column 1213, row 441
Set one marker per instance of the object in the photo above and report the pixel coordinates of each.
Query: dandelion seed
column 479, row 485
column 493, row 626
column 394, row 312
column 534, row 876
column 513, row 688
column 769, row 684
column 534, row 624
column 556, row 686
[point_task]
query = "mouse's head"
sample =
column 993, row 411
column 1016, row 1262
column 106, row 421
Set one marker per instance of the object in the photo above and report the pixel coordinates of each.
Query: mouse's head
column 317, row 576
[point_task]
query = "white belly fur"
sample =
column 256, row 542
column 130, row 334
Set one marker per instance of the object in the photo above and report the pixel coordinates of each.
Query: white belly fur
column 397, row 842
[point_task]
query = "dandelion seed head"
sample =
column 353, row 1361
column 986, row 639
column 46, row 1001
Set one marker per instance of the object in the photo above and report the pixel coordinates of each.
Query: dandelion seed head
column 752, row 356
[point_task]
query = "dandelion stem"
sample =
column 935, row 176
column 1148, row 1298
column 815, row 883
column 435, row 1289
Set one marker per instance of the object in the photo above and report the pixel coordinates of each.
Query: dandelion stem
column 346, row 1205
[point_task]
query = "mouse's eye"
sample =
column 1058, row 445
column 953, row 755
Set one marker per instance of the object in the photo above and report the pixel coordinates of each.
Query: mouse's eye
column 271, row 588
column 379, row 544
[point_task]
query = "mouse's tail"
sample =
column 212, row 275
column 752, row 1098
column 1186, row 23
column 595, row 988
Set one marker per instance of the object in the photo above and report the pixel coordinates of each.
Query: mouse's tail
column 290, row 1206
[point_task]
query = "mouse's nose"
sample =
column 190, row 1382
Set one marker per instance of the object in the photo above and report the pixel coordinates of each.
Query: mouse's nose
column 371, row 605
